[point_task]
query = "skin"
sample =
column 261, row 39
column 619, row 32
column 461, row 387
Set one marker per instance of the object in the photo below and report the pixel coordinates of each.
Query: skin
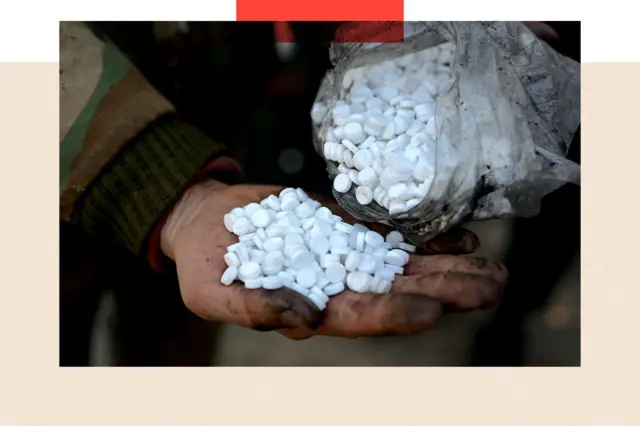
column 195, row 238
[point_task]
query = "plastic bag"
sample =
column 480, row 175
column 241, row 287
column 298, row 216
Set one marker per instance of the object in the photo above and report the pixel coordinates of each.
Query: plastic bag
column 503, row 125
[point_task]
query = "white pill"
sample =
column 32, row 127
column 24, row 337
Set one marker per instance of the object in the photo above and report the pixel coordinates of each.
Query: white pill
column 398, row 270
column 333, row 289
column 247, row 238
column 318, row 111
column 407, row 114
column 304, row 210
column 276, row 231
column 242, row 226
column 388, row 92
column 397, row 207
column 302, row 195
column 299, row 289
column 257, row 255
column 396, row 257
column 237, row 212
column 273, row 261
column 260, row 218
column 367, row 264
column 338, row 239
column 354, row 132
column 319, row 245
column 323, row 213
column 322, row 281
column 273, row 282
column 350, row 146
column 342, row 183
column 352, row 261
column 347, row 158
column 234, row 247
column 308, row 223
column 229, row 275
column 273, row 244
column 229, row 219
column 353, row 177
column 301, row 258
column 250, row 208
column 286, row 277
column 243, row 253
column 320, row 293
column 317, row 300
column 373, row 239
column 340, row 250
column 368, row 177
column 324, row 227
column 412, row 153
column 360, row 241
column 262, row 234
column 371, row 130
column 359, row 282
column 407, row 247
column 328, row 259
column 249, row 271
column 231, row 259
column 289, row 202
column 253, row 283
column 394, row 237
column 327, row 150
column 363, row 159
column 412, row 203
column 377, row 120
column 258, row 242
column 414, row 128
column 341, row 110
column 427, row 108
column 335, row 272
column 306, row 277
column 380, row 252
column 364, row 195
column 398, row 190
column 389, row 131
column 344, row 227
column 387, row 274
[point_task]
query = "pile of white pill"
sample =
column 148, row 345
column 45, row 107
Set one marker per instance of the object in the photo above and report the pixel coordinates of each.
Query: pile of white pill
column 382, row 131
column 293, row 241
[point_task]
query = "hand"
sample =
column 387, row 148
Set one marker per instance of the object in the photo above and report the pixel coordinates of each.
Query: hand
column 196, row 239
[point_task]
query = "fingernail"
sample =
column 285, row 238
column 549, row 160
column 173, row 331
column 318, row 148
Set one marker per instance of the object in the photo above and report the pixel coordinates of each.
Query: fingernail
column 472, row 241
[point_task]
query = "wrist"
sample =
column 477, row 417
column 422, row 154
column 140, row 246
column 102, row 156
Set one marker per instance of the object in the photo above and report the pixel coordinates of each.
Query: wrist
column 190, row 205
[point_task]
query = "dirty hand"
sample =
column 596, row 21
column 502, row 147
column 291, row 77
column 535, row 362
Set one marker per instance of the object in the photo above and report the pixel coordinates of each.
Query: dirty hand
column 195, row 238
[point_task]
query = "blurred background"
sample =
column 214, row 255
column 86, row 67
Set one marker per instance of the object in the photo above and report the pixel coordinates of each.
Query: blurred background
column 234, row 82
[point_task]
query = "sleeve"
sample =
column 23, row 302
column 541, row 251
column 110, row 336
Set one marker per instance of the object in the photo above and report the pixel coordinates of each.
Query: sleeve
column 125, row 157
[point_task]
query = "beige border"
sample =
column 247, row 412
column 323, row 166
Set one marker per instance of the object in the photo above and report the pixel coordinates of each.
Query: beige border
column 36, row 392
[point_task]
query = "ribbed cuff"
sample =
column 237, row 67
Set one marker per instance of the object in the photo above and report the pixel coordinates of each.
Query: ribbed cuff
column 132, row 194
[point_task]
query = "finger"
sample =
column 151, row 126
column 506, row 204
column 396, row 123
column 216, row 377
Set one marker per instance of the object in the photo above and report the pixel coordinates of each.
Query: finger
column 460, row 291
column 296, row 333
column 455, row 241
column 542, row 30
column 259, row 309
column 352, row 314
column 426, row 265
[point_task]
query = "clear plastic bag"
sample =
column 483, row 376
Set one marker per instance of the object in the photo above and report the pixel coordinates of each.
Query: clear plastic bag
column 503, row 124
